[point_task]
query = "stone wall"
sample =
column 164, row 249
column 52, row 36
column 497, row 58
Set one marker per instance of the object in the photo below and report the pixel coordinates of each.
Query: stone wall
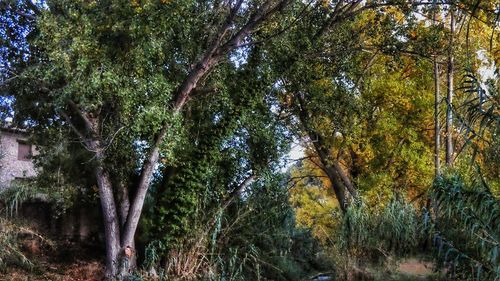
column 10, row 167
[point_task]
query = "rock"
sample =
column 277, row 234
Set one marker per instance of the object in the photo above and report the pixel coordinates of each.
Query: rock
column 329, row 276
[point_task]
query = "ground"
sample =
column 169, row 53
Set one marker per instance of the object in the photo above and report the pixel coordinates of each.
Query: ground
column 68, row 261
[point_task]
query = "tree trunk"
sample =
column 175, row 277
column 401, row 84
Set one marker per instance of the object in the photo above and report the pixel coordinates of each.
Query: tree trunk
column 345, row 178
column 333, row 170
column 437, row 136
column 337, row 184
column 123, row 202
column 128, row 264
column 449, row 96
column 135, row 210
column 111, row 224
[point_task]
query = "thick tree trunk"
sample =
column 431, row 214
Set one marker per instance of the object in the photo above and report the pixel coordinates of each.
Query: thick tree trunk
column 337, row 184
column 111, row 224
column 345, row 178
column 449, row 96
column 128, row 264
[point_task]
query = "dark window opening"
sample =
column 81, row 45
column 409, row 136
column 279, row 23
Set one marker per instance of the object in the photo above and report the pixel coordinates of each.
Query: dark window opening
column 23, row 151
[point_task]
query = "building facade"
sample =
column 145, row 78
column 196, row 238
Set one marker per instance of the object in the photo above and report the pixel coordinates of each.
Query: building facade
column 16, row 164
column 15, row 156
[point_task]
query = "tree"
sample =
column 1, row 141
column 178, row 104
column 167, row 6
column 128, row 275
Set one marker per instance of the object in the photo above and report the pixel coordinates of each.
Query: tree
column 322, row 88
column 449, row 92
column 235, row 140
column 437, row 101
column 407, row 45
column 119, row 74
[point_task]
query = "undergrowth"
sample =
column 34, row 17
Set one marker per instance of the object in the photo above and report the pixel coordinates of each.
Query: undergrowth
column 466, row 229
column 11, row 253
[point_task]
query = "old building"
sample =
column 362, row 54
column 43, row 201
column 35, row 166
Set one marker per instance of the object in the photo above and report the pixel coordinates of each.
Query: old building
column 15, row 156
column 16, row 164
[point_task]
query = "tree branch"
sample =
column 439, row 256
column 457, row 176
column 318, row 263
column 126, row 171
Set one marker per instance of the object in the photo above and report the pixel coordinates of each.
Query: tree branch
column 82, row 137
column 88, row 123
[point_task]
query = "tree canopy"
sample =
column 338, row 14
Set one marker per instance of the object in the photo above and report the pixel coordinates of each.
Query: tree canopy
column 179, row 118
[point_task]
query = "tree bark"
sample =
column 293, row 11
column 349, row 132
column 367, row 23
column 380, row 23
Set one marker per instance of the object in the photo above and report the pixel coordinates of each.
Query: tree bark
column 345, row 178
column 135, row 210
column 111, row 224
column 449, row 96
column 337, row 185
column 437, row 136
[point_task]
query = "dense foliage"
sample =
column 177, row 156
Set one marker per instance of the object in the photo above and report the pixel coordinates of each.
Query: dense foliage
column 179, row 117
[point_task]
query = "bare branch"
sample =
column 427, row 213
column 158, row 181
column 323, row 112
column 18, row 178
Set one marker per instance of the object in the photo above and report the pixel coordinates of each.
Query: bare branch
column 242, row 186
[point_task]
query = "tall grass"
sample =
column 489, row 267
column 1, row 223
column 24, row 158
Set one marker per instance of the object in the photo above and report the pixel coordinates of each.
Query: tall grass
column 11, row 253
column 13, row 197
column 467, row 229
column 253, row 238
column 368, row 237
column 394, row 228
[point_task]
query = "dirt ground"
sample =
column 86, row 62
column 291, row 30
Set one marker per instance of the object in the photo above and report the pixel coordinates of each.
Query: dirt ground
column 67, row 261
column 415, row 267
column 79, row 271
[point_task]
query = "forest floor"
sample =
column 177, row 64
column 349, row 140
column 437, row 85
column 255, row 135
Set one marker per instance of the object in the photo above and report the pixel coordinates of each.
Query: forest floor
column 65, row 262
column 69, row 261
column 78, row 271
column 411, row 269
column 92, row 270
column 416, row 268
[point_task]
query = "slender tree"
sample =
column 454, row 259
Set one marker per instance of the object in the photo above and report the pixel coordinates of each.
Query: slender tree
column 437, row 102
column 449, row 93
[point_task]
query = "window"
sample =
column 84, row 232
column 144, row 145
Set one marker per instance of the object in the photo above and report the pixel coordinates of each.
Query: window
column 23, row 151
